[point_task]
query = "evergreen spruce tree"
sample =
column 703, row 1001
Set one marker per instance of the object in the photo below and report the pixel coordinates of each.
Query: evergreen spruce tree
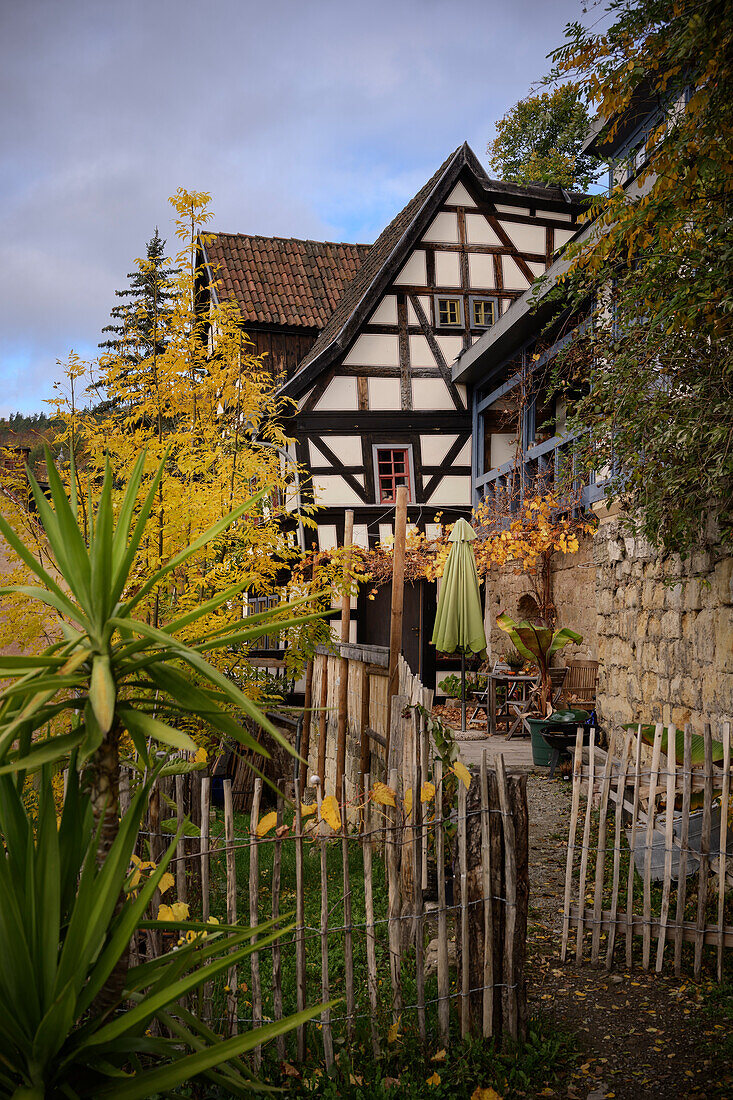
column 141, row 320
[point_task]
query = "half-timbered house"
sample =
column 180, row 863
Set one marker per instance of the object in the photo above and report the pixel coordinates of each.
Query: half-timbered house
column 375, row 403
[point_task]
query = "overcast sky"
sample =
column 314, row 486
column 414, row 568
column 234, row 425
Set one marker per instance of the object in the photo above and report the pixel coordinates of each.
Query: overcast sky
column 307, row 119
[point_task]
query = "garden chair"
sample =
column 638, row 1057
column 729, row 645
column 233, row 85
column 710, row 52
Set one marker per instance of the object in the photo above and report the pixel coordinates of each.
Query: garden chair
column 580, row 683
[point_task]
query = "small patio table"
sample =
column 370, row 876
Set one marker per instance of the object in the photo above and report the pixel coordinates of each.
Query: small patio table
column 519, row 699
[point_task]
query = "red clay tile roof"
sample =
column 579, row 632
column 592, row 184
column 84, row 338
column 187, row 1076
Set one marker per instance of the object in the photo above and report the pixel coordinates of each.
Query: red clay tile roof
column 282, row 280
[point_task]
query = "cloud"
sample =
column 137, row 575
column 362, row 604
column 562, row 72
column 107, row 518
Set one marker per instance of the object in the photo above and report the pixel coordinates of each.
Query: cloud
column 317, row 120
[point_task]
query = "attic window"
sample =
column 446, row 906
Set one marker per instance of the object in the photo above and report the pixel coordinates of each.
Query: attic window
column 483, row 312
column 448, row 311
column 393, row 469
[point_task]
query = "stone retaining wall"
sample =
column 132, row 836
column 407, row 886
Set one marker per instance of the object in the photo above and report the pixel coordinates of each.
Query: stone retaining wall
column 665, row 632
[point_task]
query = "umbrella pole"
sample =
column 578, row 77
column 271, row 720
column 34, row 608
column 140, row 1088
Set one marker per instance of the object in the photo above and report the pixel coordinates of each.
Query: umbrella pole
column 463, row 691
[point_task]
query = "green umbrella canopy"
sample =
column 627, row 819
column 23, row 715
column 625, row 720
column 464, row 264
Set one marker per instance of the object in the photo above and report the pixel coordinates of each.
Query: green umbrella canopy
column 459, row 621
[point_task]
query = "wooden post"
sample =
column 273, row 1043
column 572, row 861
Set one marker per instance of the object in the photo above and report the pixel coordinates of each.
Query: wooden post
column 702, row 877
column 366, row 749
column 371, row 940
column 463, row 869
column 398, row 596
column 574, row 807
column 417, row 834
column 206, row 991
column 254, row 890
column 723, row 851
column 232, row 1007
column 684, row 843
column 181, row 846
column 618, row 812
column 300, row 968
column 343, row 703
column 511, row 1017
column 393, row 891
column 348, row 931
column 323, row 721
column 632, row 856
column 488, row 971
column 443, row 974
column 584, row 850
column 277, row 989
column 668, row 841
column 305, row 744
column 325, row 984
column 647, row 929
column 601, row 852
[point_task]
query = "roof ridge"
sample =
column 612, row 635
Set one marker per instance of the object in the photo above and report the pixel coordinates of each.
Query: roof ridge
column 298, row 240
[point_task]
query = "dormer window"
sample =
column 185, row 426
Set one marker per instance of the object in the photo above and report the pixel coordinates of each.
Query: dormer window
column 448, row 312
column 484, row 312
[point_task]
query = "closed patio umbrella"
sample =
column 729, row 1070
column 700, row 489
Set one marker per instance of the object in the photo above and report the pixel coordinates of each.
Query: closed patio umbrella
column 459, row 622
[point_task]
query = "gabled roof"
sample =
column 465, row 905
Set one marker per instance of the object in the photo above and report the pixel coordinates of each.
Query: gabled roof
column 390, row 251
column 282, row 280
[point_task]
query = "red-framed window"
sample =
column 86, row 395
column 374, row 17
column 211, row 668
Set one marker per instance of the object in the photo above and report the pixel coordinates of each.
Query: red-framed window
column 393, row 470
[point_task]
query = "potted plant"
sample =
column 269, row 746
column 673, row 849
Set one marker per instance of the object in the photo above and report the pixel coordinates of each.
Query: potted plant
column 538, row 644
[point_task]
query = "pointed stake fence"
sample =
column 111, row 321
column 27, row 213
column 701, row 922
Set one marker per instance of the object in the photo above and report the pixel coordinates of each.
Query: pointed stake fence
column 677, row 884
column 358, row 929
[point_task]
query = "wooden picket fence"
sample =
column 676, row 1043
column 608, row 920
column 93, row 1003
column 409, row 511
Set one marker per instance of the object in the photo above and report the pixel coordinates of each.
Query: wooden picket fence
column 633, row 838
column 474, row 857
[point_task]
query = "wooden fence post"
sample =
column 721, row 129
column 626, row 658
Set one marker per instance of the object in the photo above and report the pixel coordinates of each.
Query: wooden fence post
column 702, row 878
column 300, row 966
column 232, row 1006
column 307, row 719
column 393, row 890
column 323, row 721
column 398, row 596
column 443, row 974
column 277, row 989
column 181, row 846
column 325, row 984
column 371, row 939
column 348, row 931
column 723, row 851
column 254, row 890
column 343, row 697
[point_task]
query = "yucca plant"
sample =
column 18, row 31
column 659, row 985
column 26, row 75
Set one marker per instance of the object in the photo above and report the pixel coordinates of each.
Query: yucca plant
column 115, row 672
column 63, row 931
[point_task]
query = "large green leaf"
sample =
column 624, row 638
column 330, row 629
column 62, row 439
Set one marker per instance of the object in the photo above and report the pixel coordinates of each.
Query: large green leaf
column 697, row 744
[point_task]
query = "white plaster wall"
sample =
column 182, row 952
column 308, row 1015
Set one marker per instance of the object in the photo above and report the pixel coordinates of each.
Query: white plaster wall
column 463, row 458
column 331, row 490
column 512, row 209
column 374, row 349
column 339, row 395
column 386, row 534
column 361, row 535
column 386, row 311
column 420, row 353
column 444, row 227
column 347, row 448
column 562, row 236
column 527, row 238
column 463, row 394
column 514, row 279
column 434, row 448
column 451, row 346
column 459, row 196
column 535, row 268
column 424, row 301
column 452, row 490
column 478, row 230
column 415, row 271
column 481, row 273
column 384, row 394
column 447, row 269
column 317, row 460
column 558, row 215
column 430, row 393
column 326, row 536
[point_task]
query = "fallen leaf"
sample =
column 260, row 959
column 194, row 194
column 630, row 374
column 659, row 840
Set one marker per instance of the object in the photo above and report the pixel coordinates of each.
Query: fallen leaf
column 265, row 823
column 282, row 830
column 355, row 1080
column 290, row 1071
column 439, row 1056
column 485, row 1094
column 433, row 1080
